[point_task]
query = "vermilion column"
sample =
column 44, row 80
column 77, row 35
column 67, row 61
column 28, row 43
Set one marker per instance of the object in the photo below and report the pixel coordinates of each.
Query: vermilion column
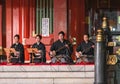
column 77, row 19
column 82, row 29
column 15, row 16
column 26, row 29
column 21, row 22
column 9, row 29
column 26, row 19
column 1, row 30
column 32, row 17
column 1, row 26
column 60, row 17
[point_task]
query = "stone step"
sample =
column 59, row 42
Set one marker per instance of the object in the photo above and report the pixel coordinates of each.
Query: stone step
column 48, row 81
column 45, row 68
column 47, row 74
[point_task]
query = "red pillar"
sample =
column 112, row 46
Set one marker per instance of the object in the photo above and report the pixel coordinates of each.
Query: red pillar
column 9, row 29
column 26, row 19
column 1, row 25
column 82, row 30
column 26, row 28
column 60, row 17
column 77, row 19
column 15, row 16
column 21, row 19
column 32, row 17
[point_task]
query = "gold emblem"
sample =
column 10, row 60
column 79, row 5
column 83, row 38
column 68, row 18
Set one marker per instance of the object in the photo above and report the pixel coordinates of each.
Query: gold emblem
column 112, row 60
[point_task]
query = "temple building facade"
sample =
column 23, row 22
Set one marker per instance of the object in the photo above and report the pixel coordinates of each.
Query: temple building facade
column 46, row 18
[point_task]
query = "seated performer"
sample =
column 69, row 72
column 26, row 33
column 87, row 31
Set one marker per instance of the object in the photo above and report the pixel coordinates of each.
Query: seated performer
column 85, row 50
column 18, row 55
column 40, row 55
column 61, row 50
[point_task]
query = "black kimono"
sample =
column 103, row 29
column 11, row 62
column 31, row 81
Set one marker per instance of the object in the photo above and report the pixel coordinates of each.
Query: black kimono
column 60, row 49
column 19, row 48
column 41, row 47
column 86, row 49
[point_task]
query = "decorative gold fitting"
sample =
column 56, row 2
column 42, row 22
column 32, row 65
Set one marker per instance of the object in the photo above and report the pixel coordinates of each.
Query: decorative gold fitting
column 104, row 23
column 112, row 44
column 112, row 60
column 118, row 38
column 118, row 52
column 74, row 40
column 99, row 36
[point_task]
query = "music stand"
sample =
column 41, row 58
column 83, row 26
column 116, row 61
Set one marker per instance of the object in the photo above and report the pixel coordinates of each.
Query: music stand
column 32, row 51
column 8, row 51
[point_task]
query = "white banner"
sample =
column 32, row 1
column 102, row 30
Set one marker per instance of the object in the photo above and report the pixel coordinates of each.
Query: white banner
column 45, row 26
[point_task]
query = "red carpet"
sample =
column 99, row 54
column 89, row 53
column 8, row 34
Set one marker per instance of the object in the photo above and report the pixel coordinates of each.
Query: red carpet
column 32, row 64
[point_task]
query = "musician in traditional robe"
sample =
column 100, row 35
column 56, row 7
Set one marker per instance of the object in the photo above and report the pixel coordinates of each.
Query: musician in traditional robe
column 61, row 50
column 85, row 50
column 40, row 55
column 18, row 55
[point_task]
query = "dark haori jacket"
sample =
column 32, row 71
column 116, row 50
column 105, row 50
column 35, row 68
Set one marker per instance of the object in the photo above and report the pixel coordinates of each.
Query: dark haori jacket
column 41, row 47
column 86, row 48
column 19, row 47
column 60, row 48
